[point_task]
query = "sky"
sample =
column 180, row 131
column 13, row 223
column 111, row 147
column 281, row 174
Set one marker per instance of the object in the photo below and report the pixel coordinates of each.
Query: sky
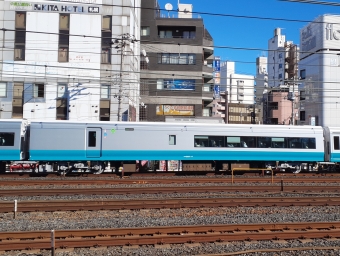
column 251, row 35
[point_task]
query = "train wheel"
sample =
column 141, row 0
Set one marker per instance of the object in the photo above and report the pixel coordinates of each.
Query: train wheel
column 297, row 169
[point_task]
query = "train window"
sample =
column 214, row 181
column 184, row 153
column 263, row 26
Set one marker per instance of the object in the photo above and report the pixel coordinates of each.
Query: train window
column 263, row 142
column 278, row 143
column 248, row 142
column 308, row 143
column 92, row 139
column 232, row 142
column 172, row 139
column 216, row 141
column 336, row 142
column 294, row 143
column 7, row 139
column 201, row 141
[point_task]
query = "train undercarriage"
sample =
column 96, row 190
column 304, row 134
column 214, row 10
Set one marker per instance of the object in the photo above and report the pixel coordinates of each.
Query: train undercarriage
column 98, row 167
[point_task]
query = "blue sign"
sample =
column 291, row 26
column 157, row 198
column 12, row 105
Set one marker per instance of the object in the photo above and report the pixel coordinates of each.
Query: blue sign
column 216, row 91
column 179, row 84
column 217, row 65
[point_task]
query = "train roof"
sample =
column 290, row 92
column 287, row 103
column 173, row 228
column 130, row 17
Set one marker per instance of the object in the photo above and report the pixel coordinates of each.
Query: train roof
column 182, row 124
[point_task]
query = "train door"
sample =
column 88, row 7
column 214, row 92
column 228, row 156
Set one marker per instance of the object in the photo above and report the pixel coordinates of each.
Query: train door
column 94, row 142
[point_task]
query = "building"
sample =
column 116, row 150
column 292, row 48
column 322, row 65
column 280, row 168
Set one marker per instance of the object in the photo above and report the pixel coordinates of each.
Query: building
column 238, row 91
column 261, row 87
column 176, row 65
column 282, row 69
column 72, row 60
column 319, row 72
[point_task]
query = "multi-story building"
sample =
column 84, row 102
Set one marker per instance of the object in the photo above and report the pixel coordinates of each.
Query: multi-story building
column 261, row 87
column 237, row 98
column 282, row 78
column 74, row 60
column 319, row 72
column 178, row 78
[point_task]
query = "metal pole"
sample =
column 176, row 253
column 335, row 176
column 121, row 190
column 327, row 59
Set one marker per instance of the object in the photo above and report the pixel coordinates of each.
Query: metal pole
column 52, row 243
column 226, row 111
column 15, row 208
column 120, row 82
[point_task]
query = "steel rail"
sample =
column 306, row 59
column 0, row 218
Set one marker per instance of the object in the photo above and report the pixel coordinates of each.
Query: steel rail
column 85, row 205
column 167, row 235
column 157, row 190
column 115, row 181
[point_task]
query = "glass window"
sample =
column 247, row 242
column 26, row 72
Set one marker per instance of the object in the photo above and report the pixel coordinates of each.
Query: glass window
column 165, row 58
column 92, row 139
column 20, row 20
column 3, row 89
column 174, row 58
column 278, row 143
column 105, row 91
column 201, row 141
column 61, row 90
column 145, row 31
column 106, row 23
column 39, row 90
column 308, row 143
column 6, row 139
column 263, row 142
column 232, row 142
column 303, row 74
column 294, row 143
column 302, row 116
column 192, row 59
column 336, row 142
column 172, row 139
column 216, row 141
column 248, row 142
column 302, row 95
column 64, row 21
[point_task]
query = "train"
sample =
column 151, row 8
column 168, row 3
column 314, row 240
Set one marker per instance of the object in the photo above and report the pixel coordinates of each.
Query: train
column 97, row 147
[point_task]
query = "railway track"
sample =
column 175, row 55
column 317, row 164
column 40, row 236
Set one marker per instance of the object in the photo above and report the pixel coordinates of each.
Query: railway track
column 116, row 181
column 159, row 190
column 95, row 205
column 31, row 240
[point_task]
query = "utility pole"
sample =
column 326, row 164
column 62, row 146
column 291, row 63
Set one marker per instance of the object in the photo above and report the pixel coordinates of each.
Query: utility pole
column 125, row 40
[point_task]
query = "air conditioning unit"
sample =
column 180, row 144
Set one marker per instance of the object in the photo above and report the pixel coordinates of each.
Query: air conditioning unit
column 18, row 54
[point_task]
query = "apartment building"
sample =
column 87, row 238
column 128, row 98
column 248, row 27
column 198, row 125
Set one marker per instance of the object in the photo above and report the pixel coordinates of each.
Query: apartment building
column 75, row 60
column 176, row 63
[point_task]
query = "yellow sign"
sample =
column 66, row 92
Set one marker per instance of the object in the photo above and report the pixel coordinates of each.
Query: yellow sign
column 174, row 110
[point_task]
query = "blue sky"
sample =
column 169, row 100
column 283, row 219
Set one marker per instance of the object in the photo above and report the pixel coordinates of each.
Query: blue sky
column 252, row 33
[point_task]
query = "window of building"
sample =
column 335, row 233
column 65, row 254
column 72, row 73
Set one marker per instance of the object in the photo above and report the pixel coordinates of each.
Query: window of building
column 61, row 105
column 6, row 139
column 280, row 55
column 105, row 91
column 189, row 34
column 165, row 34
column 106, row 23
column 39, row 91
column 144, row 86
column 104, row 112
column 61, row 91
column 106, row 40
column 64, row 22
column 3, row 89
column 17, row 106
column 20, row 36
column 63, row 54
column 64, row 37
column 172, row 139
column 106, row 55
column 302, row 116
column 145, row 31
column 144, row 62
column 177, row 58
column 303, row 74
column 280, row 65
column 280, row 76
column 302, row 95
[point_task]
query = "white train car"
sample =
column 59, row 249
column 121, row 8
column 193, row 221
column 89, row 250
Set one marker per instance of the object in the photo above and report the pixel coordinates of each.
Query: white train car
column 80, row 144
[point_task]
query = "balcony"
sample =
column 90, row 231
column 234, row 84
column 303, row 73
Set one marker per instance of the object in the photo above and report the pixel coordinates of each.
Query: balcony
column 207, row 69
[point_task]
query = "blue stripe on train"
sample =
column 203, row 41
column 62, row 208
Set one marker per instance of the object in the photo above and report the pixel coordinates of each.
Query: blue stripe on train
column 335, row 157
column 62, row 155
column 10, row 154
